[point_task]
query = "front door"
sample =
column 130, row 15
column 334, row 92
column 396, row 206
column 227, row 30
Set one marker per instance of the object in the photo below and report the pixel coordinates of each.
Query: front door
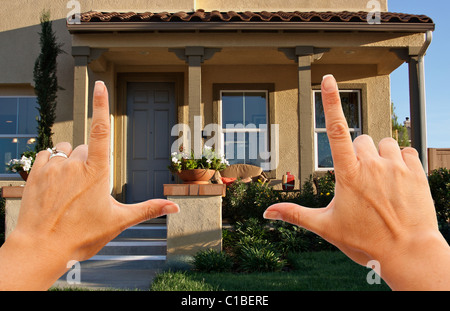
column 151, row 116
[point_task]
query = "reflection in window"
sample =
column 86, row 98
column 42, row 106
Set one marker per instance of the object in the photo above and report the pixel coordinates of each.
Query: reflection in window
column 351, row 105
column 18, row 128
column 244, row 124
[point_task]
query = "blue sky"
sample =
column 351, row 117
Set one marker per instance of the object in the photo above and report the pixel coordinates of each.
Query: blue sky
column 437, row 67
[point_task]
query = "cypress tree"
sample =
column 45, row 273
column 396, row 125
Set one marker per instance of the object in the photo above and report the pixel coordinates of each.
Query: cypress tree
column 46, row 82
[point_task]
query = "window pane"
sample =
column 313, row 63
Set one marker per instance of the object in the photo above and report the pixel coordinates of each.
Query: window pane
column 8, row 151
column 351, row 108
column 27, row 115
column 320, row 115
column 324, row 158
column 12, row 148
column 232, row 108
column 245, row 148
column 255, row 108
column 8, row 115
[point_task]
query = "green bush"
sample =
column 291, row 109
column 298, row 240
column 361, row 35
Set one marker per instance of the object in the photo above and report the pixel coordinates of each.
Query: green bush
column 248, row 200
column 254, row 258
column 439, row 181
column 212, row 261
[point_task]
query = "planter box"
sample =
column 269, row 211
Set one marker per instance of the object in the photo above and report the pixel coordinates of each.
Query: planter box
column 13, row 197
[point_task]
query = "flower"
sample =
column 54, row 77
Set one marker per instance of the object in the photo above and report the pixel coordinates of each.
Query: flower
column 175, row 160
column 209, row 159
column 23, row 164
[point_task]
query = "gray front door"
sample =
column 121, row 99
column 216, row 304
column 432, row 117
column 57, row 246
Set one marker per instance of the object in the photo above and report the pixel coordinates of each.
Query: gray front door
column 151, row 116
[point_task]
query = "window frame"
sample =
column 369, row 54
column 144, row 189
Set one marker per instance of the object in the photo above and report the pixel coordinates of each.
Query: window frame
column 243, row 130
column 12, row 136
column 358, row 130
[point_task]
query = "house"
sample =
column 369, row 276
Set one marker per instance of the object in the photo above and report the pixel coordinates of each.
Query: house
column 252, row 68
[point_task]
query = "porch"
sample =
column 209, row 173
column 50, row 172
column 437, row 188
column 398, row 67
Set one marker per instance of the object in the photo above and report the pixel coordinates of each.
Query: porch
column 200, row 58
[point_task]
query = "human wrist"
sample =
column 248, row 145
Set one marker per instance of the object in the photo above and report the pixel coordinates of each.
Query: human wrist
column 29, row 264
column 418, row 263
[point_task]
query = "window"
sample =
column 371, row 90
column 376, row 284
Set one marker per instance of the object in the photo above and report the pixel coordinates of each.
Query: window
column 244, row 121
column 18, row 128
column 351, row 104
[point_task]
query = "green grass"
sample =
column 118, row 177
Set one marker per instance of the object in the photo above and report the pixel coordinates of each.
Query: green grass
column 314, row 271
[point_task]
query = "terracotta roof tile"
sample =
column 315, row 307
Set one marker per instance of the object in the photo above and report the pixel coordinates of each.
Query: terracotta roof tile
column 232, row 16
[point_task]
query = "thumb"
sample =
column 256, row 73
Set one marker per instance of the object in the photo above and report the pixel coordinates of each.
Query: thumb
column 312, row 219
column 132, row 214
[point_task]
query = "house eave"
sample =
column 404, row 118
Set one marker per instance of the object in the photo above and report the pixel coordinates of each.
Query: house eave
column 91, row 27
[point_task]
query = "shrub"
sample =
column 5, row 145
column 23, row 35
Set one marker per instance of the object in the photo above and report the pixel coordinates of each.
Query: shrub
column 254, row 258
column 290, row 238
column 439, row 181
column 248, row 200
column 212, row 261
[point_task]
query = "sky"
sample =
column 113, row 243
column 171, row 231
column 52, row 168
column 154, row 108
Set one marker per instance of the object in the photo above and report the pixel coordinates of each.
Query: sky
column 437, row 67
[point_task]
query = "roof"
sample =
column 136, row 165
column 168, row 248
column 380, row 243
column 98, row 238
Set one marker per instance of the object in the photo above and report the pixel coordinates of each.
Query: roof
column 255, row 20
column 232, row 16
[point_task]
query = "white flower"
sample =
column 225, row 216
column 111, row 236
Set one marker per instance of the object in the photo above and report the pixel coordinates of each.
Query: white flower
column 174, row 154
column 208, row 161
column 175, row 160
column 185, row 156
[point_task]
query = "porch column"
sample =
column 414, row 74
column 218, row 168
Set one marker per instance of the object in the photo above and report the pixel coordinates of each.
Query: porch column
column 83, row 56
column 305, row 113
column 80, row 95
column 418, row 107
column 194, row 55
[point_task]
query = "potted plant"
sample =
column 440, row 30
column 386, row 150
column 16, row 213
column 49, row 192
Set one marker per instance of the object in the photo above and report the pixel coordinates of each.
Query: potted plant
column 22, row 165
column 196, row 171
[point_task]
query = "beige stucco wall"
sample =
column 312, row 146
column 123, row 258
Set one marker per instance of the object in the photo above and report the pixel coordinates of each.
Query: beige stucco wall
column 286, row 5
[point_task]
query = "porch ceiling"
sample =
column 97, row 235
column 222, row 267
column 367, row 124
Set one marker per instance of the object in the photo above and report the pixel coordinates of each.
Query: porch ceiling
column 383, row 58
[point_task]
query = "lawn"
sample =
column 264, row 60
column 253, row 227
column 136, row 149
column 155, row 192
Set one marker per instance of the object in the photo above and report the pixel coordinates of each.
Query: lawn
column 310, row 271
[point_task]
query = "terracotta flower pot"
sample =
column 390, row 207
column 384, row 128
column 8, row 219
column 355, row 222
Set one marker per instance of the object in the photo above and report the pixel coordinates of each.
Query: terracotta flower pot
column 24, row 175
column 197, row 176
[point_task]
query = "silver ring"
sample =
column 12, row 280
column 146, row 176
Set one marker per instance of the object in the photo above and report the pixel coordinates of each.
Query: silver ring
column 56, row 153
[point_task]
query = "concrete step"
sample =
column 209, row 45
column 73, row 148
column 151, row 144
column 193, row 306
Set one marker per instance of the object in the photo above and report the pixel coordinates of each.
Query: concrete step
column 146, row 231
column 133, row 247
column 145, row 240
column 130, row 261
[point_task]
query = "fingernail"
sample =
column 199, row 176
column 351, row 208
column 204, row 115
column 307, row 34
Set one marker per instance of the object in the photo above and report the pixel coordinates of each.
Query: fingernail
column 273, row 215
column 99, row 88
column 329, row 83
column 171, row 209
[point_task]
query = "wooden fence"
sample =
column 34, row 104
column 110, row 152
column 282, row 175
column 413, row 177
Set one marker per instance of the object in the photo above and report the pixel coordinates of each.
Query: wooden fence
column 438, row 158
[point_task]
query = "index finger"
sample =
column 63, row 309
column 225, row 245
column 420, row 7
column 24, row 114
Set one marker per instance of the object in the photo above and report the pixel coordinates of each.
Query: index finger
column 338, row 133
column 98, row 148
